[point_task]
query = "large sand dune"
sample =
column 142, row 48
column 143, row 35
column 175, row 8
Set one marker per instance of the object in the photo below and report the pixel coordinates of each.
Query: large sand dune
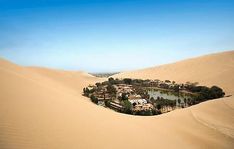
column 44, row 108
column 209, row 70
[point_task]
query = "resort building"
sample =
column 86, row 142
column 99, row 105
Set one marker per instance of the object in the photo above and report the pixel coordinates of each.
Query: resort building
column 140, row 104
column 123, row 88
column 116, row 106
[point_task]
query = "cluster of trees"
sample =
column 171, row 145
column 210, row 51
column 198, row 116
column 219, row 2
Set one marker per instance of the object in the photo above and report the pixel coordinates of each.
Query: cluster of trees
column 147, row 112
column 161, row 103
column 138, row 82
column 113, row 81
column 204, row 93
column 144, row 113
column 107, row 103
column 127, row 107
column 111, row 90
column 87, row 91
column 94, row 99
column 128, row 81
column 140, row 91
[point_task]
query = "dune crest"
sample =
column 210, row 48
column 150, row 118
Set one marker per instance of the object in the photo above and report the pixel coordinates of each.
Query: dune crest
column 44, row 108
column 213, row 69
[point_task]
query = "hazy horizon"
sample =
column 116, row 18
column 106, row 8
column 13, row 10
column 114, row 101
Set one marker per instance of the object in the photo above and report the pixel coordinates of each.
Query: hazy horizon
column 112, row 36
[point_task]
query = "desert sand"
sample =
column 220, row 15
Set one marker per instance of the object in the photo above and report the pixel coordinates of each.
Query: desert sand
column 43, row 108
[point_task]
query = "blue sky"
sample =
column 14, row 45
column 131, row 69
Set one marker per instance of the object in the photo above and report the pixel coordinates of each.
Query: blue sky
column 113, row 35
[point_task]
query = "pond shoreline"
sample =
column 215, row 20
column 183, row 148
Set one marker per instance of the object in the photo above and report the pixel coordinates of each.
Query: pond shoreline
column 170, row 90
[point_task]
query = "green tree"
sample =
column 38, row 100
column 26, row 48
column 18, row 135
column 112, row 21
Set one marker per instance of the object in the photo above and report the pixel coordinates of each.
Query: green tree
column 179, row 101
column 86, row 91
column 185, row 101
column 127, row 107
column 111, row 80
column 124, row 96
column 107, row 103
column 174, row 104
column 152, row 99
column 98, row 84
column 167, row 81
column 111, row 89
column 159, row 106
column 127, row 81
column 216, row 92
column 94, row 99
column 146, row 112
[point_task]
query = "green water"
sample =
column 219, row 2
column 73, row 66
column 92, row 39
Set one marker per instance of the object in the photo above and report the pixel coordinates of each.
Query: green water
column 155, row 93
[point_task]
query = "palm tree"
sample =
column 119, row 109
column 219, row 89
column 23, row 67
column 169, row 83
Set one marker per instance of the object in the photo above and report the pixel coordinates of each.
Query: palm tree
column 179, row 101
column 189, row 101
column 185, row 102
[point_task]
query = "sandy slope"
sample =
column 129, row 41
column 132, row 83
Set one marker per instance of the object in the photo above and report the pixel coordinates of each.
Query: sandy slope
column 43, row 108
column 209, row 70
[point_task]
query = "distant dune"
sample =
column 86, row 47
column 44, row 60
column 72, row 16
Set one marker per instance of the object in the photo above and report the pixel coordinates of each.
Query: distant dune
column 43, row 108
column 208, row 70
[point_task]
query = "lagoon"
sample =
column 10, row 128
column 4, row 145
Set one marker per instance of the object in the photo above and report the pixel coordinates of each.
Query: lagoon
column 157, row 93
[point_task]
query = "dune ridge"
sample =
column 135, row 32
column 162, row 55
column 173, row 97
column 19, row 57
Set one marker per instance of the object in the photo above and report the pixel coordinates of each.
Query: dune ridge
column 208, row 70
column 44, row 108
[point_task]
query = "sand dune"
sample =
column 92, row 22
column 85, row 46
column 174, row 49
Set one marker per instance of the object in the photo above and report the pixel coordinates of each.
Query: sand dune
column 208, row 70
column 44, row 108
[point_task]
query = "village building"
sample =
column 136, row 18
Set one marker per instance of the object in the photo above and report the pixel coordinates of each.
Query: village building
column 134, row 96
column 144, row 107
column 90, row 87
column 102, row 96
column 138, row 101
column 140, row 104
column 116, row 106
column 123, row 88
